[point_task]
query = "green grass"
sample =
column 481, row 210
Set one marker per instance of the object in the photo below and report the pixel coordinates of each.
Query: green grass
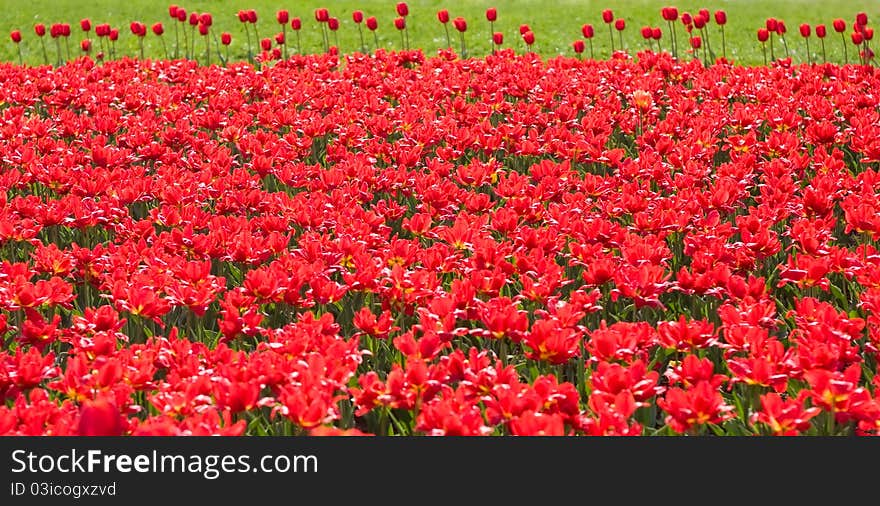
column 555, row 26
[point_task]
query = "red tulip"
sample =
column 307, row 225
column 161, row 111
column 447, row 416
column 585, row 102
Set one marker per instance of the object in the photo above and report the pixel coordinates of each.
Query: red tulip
column 523, row 28
column 65, row 30
column 498, row 38
column 203, row 29
column 399, row 23
column 578, row 46
column 357, row 16
column 460, row 24
column 588, row 31
column 696, row 42
column 226, row 38
column 491, row 14
column 839, row 25
column 669, row 13
column 619, row 24
column 85, row 45
column 720, row 17
column 646, row 32
column 763, row 34
column 296, row 24
column 158, row 29
column 529, row 38
column 266, row 44
column 862, row 19
column 699, row 22
column 868, row 33
column 322, row 15
column 85, row 24
column 193, row 19
column 820, row 31
column 40, row 29
column 780, row 27
column 172, row 11
column 251, row 16
column 771, row 24
column 282, row 16
column 686, row 18
column 114, row 34
column 100, row 418
column 656, row 33
column 333, row 23
column 279, row 38
column 704, row 13
column 857, row 38
column 805, row 30
column 243, row 16
column 443, row 16
column 372, row 24
column 402, row 9
column 607, row 15
column 16, row 36
column 181, row 15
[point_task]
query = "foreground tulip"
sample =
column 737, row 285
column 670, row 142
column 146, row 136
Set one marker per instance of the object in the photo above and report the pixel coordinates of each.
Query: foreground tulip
column 100, row 418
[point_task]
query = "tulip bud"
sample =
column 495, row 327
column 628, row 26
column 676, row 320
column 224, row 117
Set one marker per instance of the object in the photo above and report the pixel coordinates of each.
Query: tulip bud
column 181, row 15
column 619, row 24
column 372, row 24
column 85, row 24
column 857, row 38
column 771, row 24
column 656, row 33
column 578, row 46
column 523, row 28
column 704, row 13
column 805, row 30
column 226, row 38
column 252, row 16
column 193, row 19
column 646, row 32
column 85, row 45
column 40, row 29
column 402, row 9
column 529, row 38
column 357, row 16
column 279, row 38
column 296, row 24
column 15, row 36
column 607, row 15
column 333, row 23
column 669, row 13
column 399, row 23
column 821, row 31
column 443, row 16
column 460, row 24
column 113, row 35
column 158, row 29
column 862, row 18
column 498, row 38
column 763, row 35
column 172, row 11
column 699, row 22
column 696, row 42
column 720, row 17
column 686, row 18
column 282, row 16
column 839, row 25
column 588, row 31
column 242, row 16
column 266, row 44
column 491, row 14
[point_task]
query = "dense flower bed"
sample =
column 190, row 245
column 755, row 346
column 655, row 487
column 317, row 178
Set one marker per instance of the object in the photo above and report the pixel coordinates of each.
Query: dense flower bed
column 402, row 244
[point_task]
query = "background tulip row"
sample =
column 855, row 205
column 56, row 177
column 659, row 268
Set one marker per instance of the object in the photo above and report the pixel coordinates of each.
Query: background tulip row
column 266, row 31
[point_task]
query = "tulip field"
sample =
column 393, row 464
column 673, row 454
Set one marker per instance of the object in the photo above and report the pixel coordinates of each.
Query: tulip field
column 440, row 241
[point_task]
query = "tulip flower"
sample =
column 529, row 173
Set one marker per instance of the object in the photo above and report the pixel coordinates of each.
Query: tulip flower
column 16, row 38
column 670, row 15
column 578, row 46
column 821, row 32
column 588, row 32
column 400, row 24
column 443, row 17
column 296, row 26
column 491, row 17
column 721, row 20
column 358, row 18
column 461, row 25
column 497, row 40
column 529, row 39
column 85, row 24
column 402, row 13
column 226, row 40
column 283, row 17
column 86, row 46
column 619, row 25
column 763, row 35
column 804, row 28
column 372, row 25
column 839, row 27
column 158, row 30
column 608, row 18
column 333, row 26
column 402, row 9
